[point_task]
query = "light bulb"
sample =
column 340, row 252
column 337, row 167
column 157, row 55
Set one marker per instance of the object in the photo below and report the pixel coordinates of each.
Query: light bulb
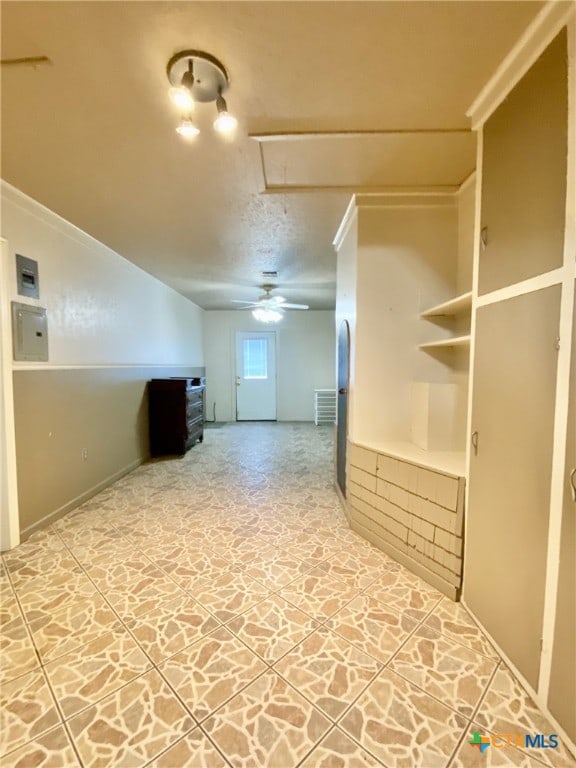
column 225, row 123
column 267, row 315
column 182, row 98
column 187, row 128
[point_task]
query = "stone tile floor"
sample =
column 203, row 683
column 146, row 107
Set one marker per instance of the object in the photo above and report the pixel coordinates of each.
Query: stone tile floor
column 216, row 611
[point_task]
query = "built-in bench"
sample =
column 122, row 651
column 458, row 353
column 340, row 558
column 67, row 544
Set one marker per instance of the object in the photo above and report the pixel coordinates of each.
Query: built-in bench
column 413, row 512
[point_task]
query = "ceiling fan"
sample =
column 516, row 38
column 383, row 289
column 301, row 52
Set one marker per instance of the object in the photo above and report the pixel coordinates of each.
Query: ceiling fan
column 268, row 308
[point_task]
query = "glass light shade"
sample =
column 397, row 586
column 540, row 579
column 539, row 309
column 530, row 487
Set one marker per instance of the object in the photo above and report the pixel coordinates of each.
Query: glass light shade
column 267, row 315
column 225, row 123
column 182, row 98
column 187, row 128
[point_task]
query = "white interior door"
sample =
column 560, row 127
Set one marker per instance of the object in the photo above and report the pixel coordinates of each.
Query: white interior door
column 255, row 376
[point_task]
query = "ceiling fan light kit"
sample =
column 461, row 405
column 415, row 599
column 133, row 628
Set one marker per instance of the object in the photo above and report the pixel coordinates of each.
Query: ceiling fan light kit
column 198, row 77
column 267, row 315
column 268, row 308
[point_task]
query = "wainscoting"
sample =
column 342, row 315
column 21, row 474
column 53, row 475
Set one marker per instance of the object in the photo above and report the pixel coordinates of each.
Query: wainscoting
column 78, row 430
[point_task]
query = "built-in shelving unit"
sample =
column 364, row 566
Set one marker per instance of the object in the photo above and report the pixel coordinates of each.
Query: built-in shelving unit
column 450, row 308
column 455, row 341
column 459, row 306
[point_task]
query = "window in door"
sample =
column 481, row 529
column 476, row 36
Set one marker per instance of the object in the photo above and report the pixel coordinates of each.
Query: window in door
column 255, row 357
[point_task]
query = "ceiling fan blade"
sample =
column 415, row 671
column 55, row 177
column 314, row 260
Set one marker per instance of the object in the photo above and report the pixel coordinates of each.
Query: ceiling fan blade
column 247, row 303
column 295, row 306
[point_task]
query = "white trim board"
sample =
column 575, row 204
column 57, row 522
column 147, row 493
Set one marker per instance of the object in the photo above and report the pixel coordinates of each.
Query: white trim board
column 9, row 520
column 300, row 189
column 349, row 217
column 89, row 366
column 561, row 425
column 468, row 182
column 535, row 39
column 536, row 283
column 430, row 197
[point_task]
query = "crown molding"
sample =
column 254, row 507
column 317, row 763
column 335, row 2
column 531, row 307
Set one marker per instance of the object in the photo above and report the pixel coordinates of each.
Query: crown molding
column 533, row 42
column 349, row 218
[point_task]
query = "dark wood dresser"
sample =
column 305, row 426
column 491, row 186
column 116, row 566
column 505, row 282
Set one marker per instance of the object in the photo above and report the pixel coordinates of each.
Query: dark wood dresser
column 175, row 415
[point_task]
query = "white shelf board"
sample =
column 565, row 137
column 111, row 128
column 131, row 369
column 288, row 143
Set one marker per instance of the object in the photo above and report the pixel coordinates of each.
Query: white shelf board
column 455, row 341
column 448, row 462
column 451, row 307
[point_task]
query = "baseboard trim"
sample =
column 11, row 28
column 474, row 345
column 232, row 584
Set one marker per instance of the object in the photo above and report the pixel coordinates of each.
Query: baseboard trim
column 73, row 503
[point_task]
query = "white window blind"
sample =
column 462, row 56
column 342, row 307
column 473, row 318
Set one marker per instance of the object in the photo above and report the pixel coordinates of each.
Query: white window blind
column 255, row 354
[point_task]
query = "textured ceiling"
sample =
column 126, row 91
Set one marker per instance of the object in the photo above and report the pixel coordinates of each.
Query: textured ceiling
column 91, row 135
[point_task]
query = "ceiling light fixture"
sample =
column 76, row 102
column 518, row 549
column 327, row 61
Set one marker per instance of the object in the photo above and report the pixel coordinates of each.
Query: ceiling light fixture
column 187, row 128
column 267, row 315
column 225, row 122
column 198, row 77
column 181, row 98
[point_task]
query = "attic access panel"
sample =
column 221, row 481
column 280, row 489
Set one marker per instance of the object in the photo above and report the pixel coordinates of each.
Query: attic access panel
column 371, row 161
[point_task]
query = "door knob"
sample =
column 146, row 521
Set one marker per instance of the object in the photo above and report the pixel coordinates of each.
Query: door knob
column 342, row 391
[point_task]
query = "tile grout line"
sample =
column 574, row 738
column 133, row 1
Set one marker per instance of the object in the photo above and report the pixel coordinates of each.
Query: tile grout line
column 499, row 666
column 184, row 521
column 474, row 714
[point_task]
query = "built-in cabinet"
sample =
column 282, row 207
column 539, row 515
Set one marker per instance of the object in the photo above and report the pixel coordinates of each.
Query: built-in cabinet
column 513, row 408
column 519, row 570
column 491, row 347
column 408, row 376
column 524, row 176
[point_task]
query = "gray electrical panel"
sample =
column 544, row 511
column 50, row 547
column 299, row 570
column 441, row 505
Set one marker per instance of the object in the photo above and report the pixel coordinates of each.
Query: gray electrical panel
column 29, row 332
column 27, row 274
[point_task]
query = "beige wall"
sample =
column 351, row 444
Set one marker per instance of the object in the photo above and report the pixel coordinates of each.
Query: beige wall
column 396, row 259
column 59, row 415
column 111, row 327
column 102, row 310
column 406, row 263
column 466, row 211
column 305, row 346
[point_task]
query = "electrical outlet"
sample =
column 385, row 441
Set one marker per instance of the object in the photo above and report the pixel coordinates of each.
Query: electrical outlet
column 84, row 454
